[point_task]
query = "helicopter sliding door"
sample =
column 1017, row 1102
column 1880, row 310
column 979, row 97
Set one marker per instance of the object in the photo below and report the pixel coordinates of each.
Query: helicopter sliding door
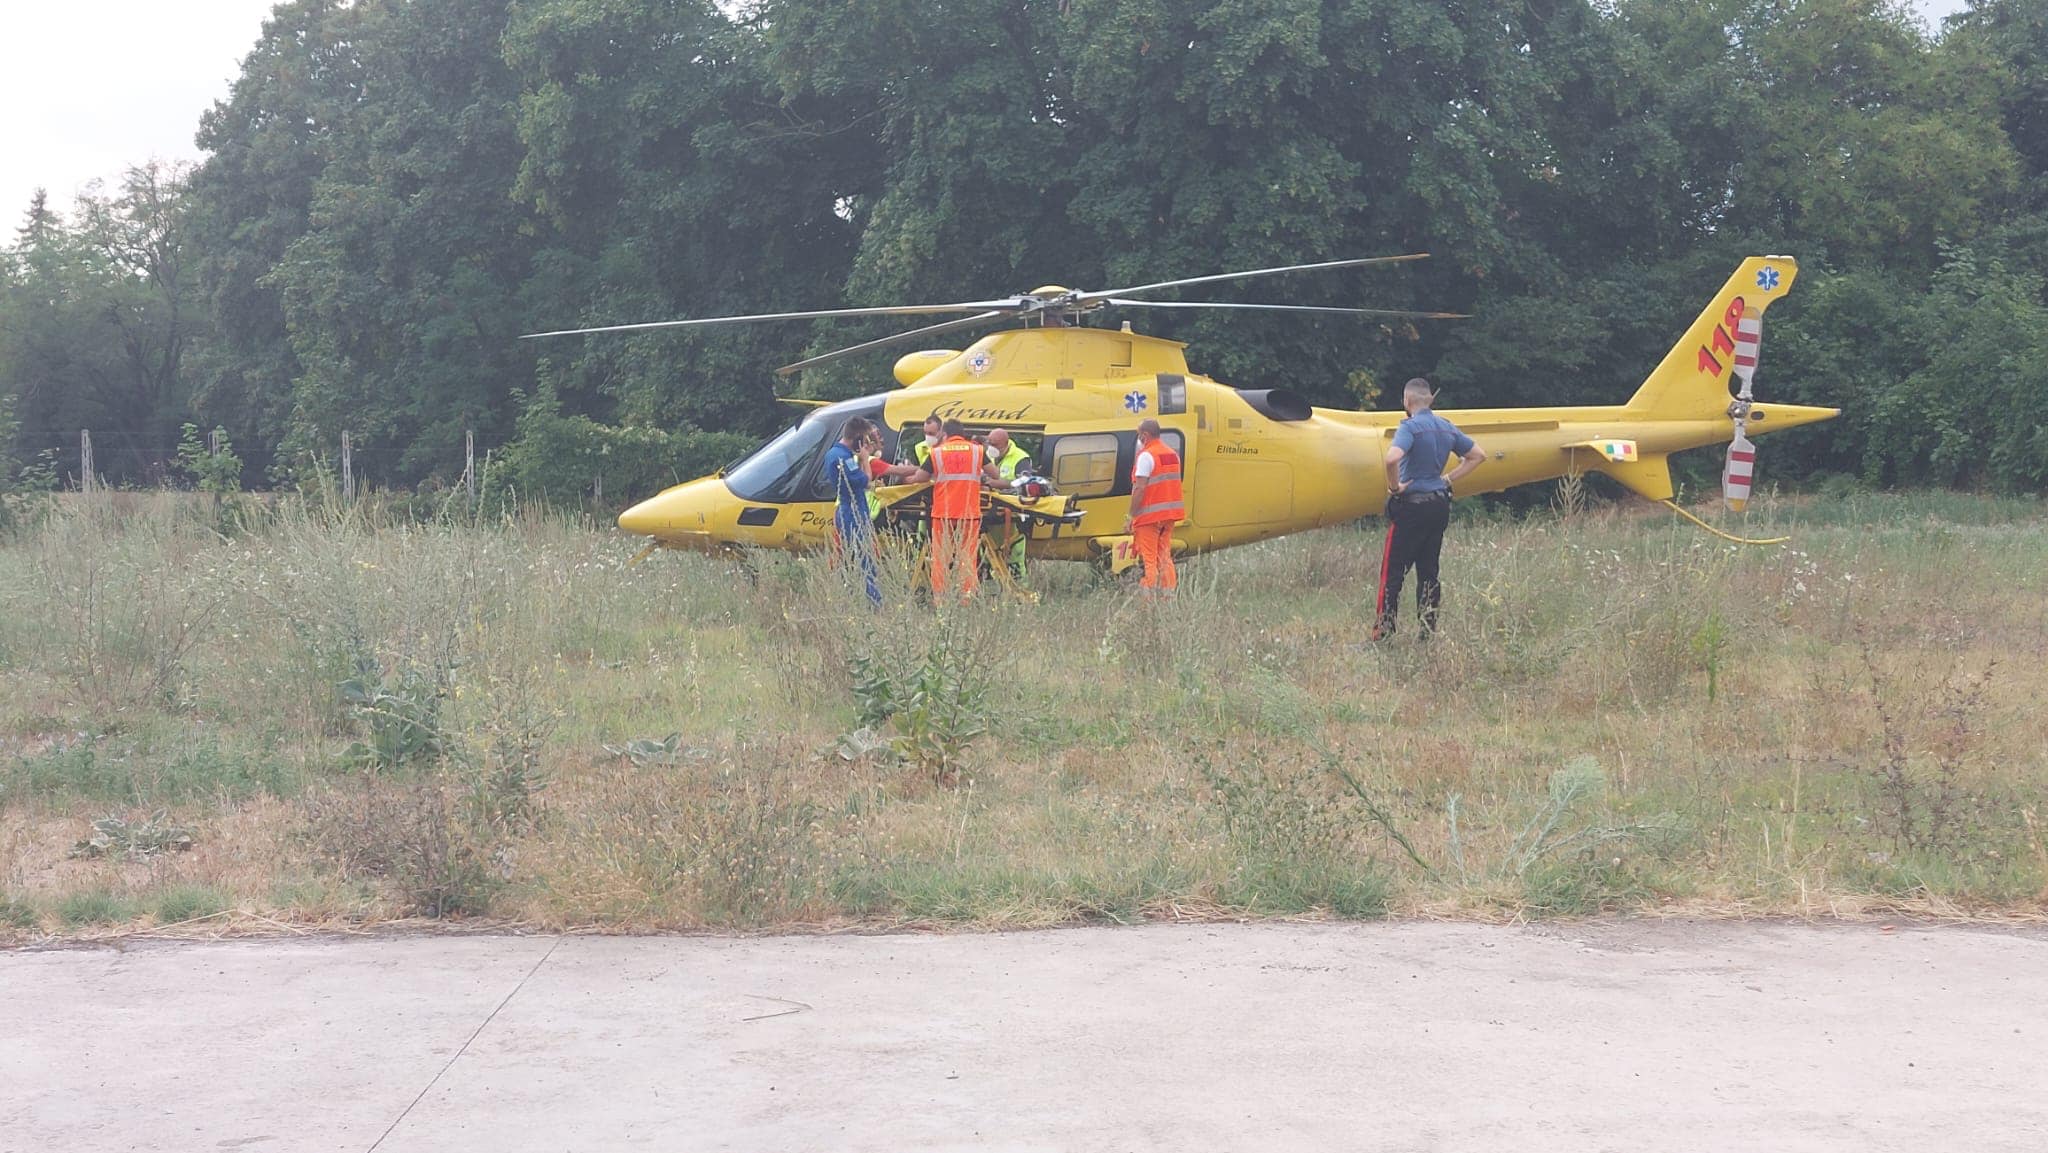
column 1096, row 467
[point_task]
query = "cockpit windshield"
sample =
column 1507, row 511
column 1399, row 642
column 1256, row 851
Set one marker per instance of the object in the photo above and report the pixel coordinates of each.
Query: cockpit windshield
column 784, row 469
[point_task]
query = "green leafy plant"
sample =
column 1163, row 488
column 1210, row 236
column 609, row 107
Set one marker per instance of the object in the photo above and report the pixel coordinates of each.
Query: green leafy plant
column 941, row 710
column 874, row 690
column 211, row 467
column 113, row 836
column 928, row 713
column 25, row 486
column 645, row 752
column 400, row 713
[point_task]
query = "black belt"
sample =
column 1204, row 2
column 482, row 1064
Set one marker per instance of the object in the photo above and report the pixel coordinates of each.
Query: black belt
column 1419, row 497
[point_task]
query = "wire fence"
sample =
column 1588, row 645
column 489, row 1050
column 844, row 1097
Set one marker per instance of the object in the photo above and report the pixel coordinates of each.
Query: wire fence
column 142, row 458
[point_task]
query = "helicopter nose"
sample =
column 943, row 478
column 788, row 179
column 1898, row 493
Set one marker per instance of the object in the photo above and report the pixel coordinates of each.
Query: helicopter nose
column 674, row 512
column 641, row 519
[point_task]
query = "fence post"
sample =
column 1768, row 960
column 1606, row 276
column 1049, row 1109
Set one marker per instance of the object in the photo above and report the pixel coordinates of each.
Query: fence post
column 469, row 462
column 348, row 468
column 85, row 469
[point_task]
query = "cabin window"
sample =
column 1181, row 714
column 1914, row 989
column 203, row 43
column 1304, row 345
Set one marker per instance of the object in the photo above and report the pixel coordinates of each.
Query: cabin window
column 1174, row 440
column 1085, row 465
column 1173, row 394
column 907, row 441
column 913, row 435
column 1099, row 463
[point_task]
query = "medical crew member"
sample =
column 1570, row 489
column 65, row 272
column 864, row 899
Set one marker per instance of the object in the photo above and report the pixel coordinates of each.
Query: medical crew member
column 956, row 511
column 1156, row 507
column 921, row 452
column 1006, row 460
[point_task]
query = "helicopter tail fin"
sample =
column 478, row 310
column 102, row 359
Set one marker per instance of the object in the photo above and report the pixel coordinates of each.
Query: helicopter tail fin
column 1691, row 383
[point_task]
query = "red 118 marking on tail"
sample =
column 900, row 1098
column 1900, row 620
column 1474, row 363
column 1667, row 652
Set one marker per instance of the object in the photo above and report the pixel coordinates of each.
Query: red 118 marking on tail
column 1709, row 363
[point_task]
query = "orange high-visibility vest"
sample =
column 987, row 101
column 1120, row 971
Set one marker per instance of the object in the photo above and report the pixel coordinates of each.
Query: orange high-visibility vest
column 956, row 480
column 1162, row 501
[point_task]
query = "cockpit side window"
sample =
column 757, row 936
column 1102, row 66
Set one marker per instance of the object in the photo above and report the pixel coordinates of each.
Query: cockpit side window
column 780, row 470
column 791, row 467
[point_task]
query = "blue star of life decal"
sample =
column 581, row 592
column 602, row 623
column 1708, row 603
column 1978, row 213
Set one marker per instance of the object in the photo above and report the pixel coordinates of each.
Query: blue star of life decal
column 1134, row 400
column 1767, row 278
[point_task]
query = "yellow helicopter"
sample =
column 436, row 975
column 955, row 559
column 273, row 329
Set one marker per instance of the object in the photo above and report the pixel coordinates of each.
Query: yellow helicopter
column 1260, row 463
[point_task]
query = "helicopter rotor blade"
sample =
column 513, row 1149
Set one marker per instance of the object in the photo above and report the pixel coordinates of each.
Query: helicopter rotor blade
column 1013, row 304
column 1120, row 302
column 1091, row 297
column 884, row 342
column 1738, row 470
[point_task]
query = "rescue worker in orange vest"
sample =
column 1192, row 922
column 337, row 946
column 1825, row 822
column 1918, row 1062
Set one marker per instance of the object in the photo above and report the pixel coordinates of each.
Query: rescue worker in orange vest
column 956, row 510
column 1156, row 507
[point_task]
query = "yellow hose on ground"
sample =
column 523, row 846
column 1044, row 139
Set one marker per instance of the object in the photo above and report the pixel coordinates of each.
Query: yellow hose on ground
column 1718, row 532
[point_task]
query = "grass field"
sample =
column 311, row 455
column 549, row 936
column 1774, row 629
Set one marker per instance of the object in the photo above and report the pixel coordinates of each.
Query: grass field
column 327, row 716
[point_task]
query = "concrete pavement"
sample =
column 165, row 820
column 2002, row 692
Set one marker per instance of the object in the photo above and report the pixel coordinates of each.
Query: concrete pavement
column 1623, row 1035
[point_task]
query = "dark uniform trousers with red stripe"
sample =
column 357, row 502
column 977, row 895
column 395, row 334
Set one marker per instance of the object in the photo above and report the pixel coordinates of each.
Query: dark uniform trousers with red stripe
column 1415, row 537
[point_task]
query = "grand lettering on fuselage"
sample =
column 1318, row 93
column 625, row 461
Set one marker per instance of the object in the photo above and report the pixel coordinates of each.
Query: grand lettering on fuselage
column 958, row 410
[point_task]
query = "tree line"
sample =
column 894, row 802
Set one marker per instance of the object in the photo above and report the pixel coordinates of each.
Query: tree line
column 394, row 191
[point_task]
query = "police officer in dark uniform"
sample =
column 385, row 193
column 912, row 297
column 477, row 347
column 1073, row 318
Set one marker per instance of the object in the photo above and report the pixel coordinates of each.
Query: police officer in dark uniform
column 1419, row 504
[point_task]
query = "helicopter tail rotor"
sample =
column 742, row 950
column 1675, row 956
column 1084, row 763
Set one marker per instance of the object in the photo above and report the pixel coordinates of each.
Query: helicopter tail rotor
column 1738, row 473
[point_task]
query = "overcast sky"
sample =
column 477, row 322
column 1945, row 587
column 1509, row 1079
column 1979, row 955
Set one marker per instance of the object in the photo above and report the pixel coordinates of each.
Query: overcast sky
column 92, row 86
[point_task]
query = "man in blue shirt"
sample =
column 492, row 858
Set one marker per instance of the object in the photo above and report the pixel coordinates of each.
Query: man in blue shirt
column 846, row 469
column 1419, row 505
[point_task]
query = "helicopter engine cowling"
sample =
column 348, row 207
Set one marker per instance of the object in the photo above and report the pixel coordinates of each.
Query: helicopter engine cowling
column 917, row 365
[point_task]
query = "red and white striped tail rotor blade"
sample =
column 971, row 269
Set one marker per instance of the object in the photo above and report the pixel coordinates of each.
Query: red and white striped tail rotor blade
column 1739, row 473
column 1749, row 337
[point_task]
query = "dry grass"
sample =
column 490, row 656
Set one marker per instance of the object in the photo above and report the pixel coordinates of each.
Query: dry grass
column 1873, row 746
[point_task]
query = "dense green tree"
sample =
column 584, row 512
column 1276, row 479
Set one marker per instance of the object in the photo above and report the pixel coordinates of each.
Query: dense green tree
column 676, row 182
column 402, row 298
column 395, row 191
column 269, row 142
column 96, row 314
